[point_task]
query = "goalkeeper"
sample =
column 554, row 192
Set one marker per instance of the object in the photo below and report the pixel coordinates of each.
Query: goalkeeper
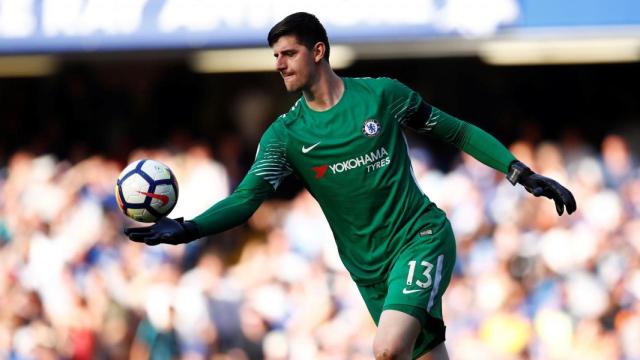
column 344, row 139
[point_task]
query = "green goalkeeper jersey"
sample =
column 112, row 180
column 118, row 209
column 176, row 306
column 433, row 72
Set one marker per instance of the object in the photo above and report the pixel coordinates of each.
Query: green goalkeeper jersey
column 353, row 158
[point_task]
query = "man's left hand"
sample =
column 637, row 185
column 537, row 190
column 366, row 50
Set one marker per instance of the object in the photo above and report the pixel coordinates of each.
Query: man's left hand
column 539, row 185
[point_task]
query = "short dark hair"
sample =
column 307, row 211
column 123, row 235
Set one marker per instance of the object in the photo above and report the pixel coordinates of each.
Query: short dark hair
column 305, row 27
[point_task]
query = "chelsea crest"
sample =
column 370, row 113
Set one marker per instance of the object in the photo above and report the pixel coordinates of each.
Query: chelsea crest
column 370, row 127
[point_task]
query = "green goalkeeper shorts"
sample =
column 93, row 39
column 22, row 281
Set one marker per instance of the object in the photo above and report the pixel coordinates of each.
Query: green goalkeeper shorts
column 417, row 281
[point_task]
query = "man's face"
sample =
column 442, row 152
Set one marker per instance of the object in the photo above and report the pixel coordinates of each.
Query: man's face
column 294, row 62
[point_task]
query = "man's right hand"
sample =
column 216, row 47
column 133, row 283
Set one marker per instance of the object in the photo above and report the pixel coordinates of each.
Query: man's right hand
column 165, row 231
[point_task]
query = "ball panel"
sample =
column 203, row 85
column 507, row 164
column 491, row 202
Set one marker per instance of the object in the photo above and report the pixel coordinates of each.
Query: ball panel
column 134, row 188
column 156, row 170
column 142, row 215
column 131, row 167
column 118, row 196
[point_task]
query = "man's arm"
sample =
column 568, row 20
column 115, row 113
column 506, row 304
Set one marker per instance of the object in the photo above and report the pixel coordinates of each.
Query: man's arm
column 488, row 150
column 461, row 134
column 235, row 209
column 267, row 172
column 225, row 214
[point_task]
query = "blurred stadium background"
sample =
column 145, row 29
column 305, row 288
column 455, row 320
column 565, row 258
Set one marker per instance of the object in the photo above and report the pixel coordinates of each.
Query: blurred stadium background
column 88, row 85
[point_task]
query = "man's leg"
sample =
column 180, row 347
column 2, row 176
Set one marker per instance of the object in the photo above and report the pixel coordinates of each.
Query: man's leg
column 397, row 332
column 437, row 353
column 396, row 336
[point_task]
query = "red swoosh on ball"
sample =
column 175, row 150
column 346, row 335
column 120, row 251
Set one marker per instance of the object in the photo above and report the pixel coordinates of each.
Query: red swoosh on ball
column 163, row 198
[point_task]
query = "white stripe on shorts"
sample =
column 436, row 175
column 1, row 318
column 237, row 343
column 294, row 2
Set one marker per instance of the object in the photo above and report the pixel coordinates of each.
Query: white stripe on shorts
column 436, row 282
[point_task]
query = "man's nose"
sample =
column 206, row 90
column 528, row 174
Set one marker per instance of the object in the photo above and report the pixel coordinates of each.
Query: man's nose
column 280, row 63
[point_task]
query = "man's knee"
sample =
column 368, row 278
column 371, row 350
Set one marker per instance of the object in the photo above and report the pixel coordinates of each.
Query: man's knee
column 391, row 348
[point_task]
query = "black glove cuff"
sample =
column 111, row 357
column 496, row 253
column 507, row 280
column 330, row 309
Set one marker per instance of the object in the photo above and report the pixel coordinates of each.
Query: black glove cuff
column 517, row 170
column 191, row 230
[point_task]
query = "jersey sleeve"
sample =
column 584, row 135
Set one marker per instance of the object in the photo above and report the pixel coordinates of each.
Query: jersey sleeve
column 412, row 112
column 468, row 138
column 267, row 172
column 406, row 105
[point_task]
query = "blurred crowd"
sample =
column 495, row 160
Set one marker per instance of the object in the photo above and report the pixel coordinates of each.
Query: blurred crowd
column 528, row 284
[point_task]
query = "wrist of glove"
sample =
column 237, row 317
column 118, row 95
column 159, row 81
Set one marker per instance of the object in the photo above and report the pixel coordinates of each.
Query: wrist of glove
column 165, row 231
column 539, row 185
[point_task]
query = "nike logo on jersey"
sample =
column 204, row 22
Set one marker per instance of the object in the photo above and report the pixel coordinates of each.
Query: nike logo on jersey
column 163, row 198
column 307, row 149
column 405, row 291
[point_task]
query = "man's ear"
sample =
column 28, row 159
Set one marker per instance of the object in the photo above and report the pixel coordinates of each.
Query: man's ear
column 318, row 51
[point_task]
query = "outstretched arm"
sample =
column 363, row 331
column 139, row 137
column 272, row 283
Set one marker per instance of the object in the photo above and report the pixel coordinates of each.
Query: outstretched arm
column 488, row 150
column 268, row 170
column 225, row 214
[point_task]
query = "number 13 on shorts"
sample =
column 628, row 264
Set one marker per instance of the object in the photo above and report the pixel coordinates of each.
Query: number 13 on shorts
column 422, row 271
column 423, row 279
column 426, row 267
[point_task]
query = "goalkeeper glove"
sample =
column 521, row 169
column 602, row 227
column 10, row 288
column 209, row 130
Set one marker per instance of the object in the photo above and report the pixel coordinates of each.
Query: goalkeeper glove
column 165, row 231
column 539, row 185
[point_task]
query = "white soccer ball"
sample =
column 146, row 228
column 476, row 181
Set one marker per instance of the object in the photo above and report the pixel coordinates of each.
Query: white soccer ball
column 146, row 190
